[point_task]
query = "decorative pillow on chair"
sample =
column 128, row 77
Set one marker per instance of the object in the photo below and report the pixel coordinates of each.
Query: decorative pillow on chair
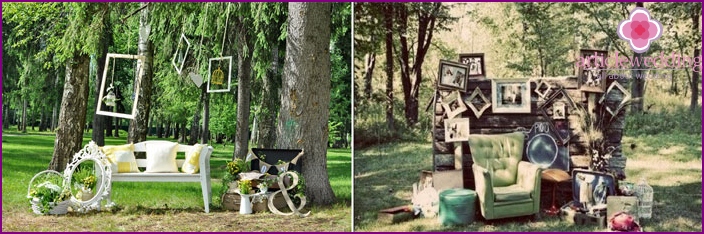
column 161, row 157
column 192, row 163
column 121, row 157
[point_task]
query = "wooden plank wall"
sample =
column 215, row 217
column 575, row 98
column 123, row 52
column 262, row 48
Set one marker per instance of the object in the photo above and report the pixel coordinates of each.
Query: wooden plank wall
column 445, row 153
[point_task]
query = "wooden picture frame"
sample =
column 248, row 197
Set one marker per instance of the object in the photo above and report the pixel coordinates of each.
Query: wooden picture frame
column 180, row 55
column 453, row 75
column 613, row 88
column 456, row 130
column 475, row 61
column 591, row 76
column 510, row 96
column 216, row 83
column 105, row 94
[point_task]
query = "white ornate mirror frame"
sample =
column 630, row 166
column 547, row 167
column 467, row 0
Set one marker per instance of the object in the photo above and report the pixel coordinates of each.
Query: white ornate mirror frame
column 90, row 153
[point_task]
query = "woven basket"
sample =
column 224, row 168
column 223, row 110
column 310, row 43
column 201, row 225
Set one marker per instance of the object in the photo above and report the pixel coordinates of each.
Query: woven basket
column 57, row 209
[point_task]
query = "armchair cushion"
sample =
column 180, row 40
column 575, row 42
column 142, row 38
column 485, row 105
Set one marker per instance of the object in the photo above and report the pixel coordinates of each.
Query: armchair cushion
column 500, row 153
column 511, row 193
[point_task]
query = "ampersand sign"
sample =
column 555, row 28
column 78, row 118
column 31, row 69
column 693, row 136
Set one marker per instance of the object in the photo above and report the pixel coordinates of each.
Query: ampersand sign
column 284, row 192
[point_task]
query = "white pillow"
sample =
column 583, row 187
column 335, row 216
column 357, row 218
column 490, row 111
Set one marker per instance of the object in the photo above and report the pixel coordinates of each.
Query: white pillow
column 161, row 157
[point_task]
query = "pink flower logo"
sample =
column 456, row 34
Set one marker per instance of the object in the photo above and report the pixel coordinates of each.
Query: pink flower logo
column 639, row 30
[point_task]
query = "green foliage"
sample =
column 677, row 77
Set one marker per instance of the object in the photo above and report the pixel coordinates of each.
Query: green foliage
column 84, row 177
column 679, row 120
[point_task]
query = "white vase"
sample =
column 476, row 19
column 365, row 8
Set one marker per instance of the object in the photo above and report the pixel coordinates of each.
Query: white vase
column 245, row 204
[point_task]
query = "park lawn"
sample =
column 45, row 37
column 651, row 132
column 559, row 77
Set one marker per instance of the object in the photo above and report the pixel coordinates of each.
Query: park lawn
column 671, row 162
column 157, row 206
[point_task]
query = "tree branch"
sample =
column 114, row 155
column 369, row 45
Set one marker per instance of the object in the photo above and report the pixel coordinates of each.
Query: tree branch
column 135, row 12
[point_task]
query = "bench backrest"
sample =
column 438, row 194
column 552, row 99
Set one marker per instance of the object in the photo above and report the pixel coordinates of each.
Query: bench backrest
column 181, row 152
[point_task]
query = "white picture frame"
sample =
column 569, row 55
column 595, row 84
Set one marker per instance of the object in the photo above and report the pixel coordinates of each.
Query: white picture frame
column 456, row 130
column 139, row 73
column 178, row 65
column 454, row 105
column 483, row 101
column 510, row 96
column 211, row 88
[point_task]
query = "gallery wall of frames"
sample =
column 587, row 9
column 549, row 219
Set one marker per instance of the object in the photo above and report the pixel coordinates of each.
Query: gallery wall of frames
column 547, row 109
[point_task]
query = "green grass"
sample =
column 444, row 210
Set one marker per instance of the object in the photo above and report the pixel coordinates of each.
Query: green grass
column 27, row 154
column 671, row 162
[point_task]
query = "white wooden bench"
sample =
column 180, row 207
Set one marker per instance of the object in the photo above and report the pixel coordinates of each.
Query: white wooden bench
column 203, row 175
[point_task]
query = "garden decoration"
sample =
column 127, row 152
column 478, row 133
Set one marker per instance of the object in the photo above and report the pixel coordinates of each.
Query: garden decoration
column 108, row 96
column 453, row 75
column 217, row 76
column 453, row 105
column 510, row 96
column 543, row 89
column 284, row 192
column 181, row 53
column 49, row 195
column 216, row 79
column 543, row 149
column 591, row 75
column 96, row 185
column 264, row 167
column 477, row 102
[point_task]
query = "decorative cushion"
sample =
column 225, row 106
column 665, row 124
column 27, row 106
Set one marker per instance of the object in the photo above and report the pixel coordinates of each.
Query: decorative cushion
column 192, row 163
column 161, row 157
column 502, row 151
column 122, row 158
column 511, row 193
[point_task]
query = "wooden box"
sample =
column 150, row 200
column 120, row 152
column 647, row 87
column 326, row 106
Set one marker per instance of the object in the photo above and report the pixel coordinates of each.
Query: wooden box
column 395, row 215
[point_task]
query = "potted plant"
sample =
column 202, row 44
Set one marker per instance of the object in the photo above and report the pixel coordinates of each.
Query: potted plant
column 85, row 180
column 47, row 195
column 245, row 187
column 265, row 183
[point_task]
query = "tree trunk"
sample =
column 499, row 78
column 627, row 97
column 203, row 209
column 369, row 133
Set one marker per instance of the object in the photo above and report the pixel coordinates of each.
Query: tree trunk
column 72, row 117
column 5, row 117
column 637, row 91
column 140, row 124
column 694, row 99
column 369, row 62
column 167, row 131
column 270, row 103
column 160, row 130
column 118, row 126
column 388, row 25
column 184, row 136
column 205, row 131
column 23, row 127
column 177, row 131
column 244, row 67
column 305, row 97
column 57, row 103
column 99, row 120
column 195, row 124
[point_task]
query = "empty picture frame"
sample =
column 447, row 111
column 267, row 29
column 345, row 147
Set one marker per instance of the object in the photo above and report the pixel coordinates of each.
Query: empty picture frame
column 592, row 73
column 180, row 54
column 217, row 77
column 477, row 102
column 456, row 129
column 476, row 64
column 557, row 108
column 120, row 67
column 510, row 96
column 453, row 75
column 615, row 98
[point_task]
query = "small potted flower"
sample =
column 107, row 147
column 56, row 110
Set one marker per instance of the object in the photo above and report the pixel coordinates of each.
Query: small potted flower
column 265, row 183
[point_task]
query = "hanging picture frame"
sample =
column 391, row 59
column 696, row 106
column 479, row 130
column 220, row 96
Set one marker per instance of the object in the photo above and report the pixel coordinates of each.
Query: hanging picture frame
column 510, row 96
column 218, row 80
column 543, row 89
column 453, row 75
column 181, row 53
column 453, row 105
column 477, row 102
column 456, row 129
column 557, row 108
column 592, row 70
column 475, row 62
column 119, row 99
column 610, row 99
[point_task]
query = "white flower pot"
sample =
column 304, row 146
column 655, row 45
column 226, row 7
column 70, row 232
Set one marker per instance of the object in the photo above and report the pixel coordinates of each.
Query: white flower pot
column 245, row 204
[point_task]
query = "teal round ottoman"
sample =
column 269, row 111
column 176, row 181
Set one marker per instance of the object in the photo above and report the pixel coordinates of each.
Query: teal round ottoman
column 457, row 206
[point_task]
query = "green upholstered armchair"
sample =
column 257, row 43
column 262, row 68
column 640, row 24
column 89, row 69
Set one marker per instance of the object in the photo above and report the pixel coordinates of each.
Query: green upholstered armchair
column 506, row 186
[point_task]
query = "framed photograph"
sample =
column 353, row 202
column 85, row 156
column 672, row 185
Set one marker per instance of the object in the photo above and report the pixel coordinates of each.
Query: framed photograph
column 453, row 75
column 453, row 105
column 475, row 63
column 591, row 72
column 456, row 129
column 180, row 54
column 218, row 80
column 121, row 78
column 510, row 96
column 557, row 109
